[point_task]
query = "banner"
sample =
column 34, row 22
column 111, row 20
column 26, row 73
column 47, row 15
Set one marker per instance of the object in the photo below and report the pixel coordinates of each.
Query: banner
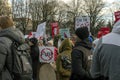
column 55, row 29
column 46, row 54
column 41, row 30
column 117, row 16
column 82, row 21
column 65, row 33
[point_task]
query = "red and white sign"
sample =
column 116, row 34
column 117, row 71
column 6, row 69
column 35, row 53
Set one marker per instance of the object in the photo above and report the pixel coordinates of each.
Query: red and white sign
column 46, row 54
column 117, row 16
column 40, row 33
column 82, row 21
column 55, row 29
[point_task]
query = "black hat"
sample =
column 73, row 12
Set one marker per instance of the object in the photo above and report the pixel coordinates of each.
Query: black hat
column 82, row 32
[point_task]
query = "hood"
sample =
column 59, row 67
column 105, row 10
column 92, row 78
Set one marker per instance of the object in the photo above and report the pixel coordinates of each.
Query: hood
column 13, row 34
column 84, row 44
column 116, row 27
column 66, row 45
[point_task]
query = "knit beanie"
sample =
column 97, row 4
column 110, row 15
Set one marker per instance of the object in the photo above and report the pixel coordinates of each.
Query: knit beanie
column 82, row 33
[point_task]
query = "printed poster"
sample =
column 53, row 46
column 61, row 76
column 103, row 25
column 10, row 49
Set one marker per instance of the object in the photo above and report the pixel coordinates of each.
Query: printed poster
column 65, row 33
column 46, row 54
column 82, row 21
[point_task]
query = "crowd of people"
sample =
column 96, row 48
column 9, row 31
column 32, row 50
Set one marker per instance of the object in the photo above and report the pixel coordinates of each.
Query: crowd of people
column 77, row 58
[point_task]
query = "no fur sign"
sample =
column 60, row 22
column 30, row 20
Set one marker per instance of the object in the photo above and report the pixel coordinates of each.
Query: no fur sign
column 46, row 54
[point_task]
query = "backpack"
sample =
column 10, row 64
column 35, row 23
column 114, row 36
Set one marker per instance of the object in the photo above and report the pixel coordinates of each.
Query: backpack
column 21, row 67
column 66, row 62
column 87, row 57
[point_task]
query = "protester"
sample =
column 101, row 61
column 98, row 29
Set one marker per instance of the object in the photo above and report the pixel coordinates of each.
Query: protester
column 81, row 56
column 7, row 29
column 106, row 58
column 34, row 55
column 40, row 43
column 47, row 70
column 50, row 44
column 63, row 62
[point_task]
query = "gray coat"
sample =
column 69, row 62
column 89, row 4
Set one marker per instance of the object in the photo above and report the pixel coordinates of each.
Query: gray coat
column 5, row 51
column 106, row 58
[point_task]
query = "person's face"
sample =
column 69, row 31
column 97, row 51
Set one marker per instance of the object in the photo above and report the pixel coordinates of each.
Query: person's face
column 30, row 43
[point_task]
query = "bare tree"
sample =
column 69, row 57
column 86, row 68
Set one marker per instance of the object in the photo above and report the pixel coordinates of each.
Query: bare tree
column 21, row 14
column 93, row 9
column 5, row 8
column 100, row 23
column 42, row 10
column 67, row 13
column 61, row 14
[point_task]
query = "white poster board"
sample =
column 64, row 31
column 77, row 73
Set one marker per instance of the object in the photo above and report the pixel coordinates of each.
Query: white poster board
column 46, row 54
column 41, row 30
column 82, row 21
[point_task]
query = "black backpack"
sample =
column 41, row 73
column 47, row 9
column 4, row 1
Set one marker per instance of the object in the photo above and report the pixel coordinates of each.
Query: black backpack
column 21, row 67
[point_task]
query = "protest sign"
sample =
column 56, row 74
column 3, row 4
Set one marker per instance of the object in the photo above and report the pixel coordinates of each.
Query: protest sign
column 55, row 29
column 65, row 33
column 41, row 30
column 46, row 54
column 82, row 21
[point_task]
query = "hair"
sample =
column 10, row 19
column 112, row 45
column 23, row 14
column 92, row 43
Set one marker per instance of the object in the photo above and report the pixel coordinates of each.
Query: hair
column 34, row 40
column 6, row 22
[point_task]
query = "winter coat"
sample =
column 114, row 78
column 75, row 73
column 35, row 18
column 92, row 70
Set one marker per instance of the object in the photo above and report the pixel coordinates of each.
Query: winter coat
column 5, row 51
column 106, row 58
column 35, row 60
column 65, row 55
column 80, row 68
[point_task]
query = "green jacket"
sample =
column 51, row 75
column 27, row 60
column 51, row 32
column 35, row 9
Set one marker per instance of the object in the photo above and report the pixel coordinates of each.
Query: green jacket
column 65, row 52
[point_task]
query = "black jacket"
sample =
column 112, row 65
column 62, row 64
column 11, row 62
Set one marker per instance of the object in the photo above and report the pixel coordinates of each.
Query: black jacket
column 35, row 59
column 78, row 71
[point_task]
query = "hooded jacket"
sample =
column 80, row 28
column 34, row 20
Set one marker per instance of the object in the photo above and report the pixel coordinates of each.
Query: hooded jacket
column 65, row 52
column 106, row 58
column 5, row 50
column 78, row 70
